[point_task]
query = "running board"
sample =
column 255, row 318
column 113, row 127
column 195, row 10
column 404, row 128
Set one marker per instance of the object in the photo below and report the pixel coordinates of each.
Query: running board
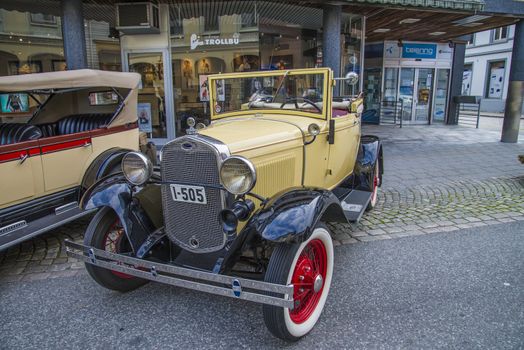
column 355, row 204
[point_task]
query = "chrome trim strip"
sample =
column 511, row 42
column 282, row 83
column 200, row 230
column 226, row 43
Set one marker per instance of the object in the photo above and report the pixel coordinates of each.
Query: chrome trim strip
column 66, row 207
column 169, row 274
column 45, row 229
column 12, row 227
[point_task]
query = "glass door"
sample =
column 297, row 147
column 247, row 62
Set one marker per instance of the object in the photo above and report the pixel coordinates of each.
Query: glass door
column 155, row 113
column 423, row 95
column 406, row 91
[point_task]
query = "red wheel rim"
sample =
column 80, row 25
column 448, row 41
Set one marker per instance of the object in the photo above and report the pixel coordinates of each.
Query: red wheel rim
column 308, row 279
column 112, row 243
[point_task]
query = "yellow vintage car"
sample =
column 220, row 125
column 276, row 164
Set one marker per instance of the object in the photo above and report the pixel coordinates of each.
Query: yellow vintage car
column 60, row 132
column 239, row 207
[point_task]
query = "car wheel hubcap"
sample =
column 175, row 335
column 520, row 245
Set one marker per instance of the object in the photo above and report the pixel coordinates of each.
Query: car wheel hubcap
column 308, row 279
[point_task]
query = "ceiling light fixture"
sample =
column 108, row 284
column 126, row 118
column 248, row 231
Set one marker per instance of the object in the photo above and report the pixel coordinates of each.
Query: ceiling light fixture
column 437, row 33
column 381, row 30
column 409, row 20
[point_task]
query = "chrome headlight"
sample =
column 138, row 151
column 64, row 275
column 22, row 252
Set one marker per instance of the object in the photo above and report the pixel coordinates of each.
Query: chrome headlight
column 238, row 175
column 137, row 168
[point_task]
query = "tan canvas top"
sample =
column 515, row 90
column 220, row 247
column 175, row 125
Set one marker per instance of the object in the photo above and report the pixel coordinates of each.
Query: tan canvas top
column 69, row 79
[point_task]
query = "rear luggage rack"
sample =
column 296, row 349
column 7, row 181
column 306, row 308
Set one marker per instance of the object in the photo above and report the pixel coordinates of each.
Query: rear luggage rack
column 229, row 286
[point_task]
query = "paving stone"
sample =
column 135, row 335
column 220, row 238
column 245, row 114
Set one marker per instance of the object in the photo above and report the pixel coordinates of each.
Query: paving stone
column 376, row 232
column 373, row 238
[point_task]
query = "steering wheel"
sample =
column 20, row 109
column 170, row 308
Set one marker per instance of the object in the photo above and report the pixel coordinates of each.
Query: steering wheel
column 296, row 99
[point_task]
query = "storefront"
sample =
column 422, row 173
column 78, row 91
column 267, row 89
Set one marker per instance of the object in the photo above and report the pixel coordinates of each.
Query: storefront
column 408, row 81
column 223, row 37
column 406, row 73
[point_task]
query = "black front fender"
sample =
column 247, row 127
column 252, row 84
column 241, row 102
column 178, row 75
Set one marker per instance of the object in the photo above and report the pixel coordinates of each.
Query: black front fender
column 115, row 192
column 291, row 215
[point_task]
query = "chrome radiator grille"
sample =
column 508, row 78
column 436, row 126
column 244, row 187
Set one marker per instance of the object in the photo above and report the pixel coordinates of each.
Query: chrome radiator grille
column 192, row 226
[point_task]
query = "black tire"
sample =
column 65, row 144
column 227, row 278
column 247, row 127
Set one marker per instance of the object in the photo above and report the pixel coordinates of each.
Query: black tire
column 282, row 270
column 376, row 185
column 96, row 236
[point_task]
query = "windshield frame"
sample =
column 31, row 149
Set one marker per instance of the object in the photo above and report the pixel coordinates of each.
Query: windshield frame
column 326, row 96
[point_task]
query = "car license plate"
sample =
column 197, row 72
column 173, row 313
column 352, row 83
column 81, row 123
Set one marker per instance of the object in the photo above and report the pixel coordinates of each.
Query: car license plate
column 189, row 194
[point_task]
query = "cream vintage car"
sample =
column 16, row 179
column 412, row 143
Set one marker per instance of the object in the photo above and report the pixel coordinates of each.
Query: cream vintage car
column 60, row 132
column 239, row 208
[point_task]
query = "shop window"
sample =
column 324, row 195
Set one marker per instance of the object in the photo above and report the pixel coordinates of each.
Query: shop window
column 31, row 43
column 500, row 34
column 41, row 19
column 211, row 24
column 351, row 51
column 103, row 46
column 248, row 20
column 495, row 81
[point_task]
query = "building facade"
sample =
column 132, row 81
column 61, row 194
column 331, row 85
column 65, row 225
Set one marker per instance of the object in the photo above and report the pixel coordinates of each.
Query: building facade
column 487, row 66
column 405, row 54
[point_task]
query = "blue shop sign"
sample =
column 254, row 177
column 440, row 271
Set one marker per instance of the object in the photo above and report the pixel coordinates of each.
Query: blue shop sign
column 427, row 51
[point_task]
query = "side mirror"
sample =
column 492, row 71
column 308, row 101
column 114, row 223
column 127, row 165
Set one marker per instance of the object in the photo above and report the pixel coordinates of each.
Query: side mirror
column 351, row 78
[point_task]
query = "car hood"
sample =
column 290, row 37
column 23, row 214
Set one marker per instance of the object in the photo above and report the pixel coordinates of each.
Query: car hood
column 245, row 134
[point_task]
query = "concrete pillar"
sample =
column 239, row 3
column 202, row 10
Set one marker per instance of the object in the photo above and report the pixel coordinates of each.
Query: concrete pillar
column 459, row 53
column 331, row 50
column 513, row 111
column 73, row 34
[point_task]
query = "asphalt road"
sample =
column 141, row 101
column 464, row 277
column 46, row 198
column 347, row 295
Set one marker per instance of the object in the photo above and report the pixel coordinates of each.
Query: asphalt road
column 454, row 290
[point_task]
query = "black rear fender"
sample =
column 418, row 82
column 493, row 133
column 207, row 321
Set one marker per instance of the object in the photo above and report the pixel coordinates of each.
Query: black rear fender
column 370, row 152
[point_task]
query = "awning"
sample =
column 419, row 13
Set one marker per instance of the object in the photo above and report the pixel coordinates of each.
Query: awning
column 463, row 5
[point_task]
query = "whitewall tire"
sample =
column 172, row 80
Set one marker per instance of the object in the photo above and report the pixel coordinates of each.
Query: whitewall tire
column 308, row 266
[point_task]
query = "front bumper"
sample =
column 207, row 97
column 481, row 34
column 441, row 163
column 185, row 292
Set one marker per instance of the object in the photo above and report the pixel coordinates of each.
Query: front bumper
column 229, row 286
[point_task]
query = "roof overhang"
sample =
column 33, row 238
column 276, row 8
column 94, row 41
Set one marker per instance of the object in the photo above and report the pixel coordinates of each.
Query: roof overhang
column 461, row 5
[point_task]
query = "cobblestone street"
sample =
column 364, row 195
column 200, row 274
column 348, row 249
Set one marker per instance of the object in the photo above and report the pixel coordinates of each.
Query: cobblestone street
column 437, row 179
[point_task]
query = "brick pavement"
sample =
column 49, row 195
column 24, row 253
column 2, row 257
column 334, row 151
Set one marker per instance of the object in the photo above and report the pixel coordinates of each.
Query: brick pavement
column 437, row 179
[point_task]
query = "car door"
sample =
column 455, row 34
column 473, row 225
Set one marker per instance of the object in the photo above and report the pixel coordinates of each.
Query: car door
column 20, row 173
column 63, row 160
column 343, row 151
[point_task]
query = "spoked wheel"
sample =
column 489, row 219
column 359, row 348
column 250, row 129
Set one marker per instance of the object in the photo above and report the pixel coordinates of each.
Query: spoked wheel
column 376, row 185
column 105, row 232
column 309, row 267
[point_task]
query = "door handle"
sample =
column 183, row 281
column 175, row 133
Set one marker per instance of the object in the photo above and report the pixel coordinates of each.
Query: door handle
column 87, row 144
column 23, row 158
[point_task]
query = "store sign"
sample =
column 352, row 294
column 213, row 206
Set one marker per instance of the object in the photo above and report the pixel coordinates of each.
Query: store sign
column 419, row 51
column 195, row 41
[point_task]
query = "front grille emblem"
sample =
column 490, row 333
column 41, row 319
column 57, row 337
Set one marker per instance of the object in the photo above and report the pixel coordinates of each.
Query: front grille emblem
column 187, row 146
column 193, row 242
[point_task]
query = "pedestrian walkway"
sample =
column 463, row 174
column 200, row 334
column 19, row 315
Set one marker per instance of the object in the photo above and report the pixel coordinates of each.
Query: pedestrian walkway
column 437, row 179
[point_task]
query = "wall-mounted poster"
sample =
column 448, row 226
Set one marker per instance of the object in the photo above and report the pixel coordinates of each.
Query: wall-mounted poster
column 144, row 117
column 496, row 83
column 204, row 87
column 221, row 90
column 14, row 103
